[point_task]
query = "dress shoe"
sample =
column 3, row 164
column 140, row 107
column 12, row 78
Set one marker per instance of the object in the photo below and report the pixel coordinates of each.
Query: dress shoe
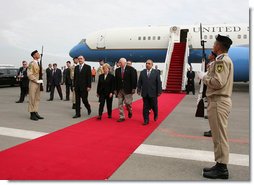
column 129, row 115
column 38, row 116
column 206, row 117
column 73, row 106
column 208, row 133
column 109, row 116
column 33, row 116
column 19, row 101
column 50, row 100
column 61, row 98
column 76, row 116
column 66, row 100
column 145, row 122
column 121, row 120
column 99, row 117
column 89, row 111
column 155, row 118
column 219, row 171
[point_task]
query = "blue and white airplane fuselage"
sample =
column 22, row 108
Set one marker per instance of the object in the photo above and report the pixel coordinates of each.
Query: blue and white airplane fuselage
column 140, row 44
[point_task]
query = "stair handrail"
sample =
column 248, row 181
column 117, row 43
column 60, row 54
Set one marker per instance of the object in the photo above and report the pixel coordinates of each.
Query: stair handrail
column 171, row 42
column 185, row 66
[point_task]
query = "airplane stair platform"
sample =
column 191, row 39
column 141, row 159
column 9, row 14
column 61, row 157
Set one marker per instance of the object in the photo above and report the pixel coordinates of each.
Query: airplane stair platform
column 175, row 72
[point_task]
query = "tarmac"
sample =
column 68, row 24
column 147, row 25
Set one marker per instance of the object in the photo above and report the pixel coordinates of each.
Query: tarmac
column 175, row 151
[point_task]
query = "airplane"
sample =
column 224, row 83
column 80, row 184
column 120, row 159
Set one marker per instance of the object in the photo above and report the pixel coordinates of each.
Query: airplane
column 153, row 42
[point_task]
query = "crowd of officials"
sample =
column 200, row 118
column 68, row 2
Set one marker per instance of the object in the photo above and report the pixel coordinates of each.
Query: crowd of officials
column 124, row 82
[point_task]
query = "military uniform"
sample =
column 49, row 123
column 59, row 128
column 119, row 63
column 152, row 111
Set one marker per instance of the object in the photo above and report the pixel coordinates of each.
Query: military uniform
column 73, row 91
column 34, row 87
column 219, row 81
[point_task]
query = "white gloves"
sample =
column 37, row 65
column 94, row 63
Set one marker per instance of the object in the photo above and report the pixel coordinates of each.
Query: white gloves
column 201, row 74
column 39, row 81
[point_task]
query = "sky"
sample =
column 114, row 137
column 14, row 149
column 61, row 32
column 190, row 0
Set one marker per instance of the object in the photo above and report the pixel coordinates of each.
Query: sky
column 58, row 25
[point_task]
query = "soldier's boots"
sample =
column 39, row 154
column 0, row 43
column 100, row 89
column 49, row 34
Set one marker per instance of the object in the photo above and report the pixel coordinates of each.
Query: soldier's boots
column 38, row 116
column 33, row 116
column 219, row 171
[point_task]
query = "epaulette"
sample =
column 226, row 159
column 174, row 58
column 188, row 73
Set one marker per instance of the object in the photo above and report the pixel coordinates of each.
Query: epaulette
column 220, row 57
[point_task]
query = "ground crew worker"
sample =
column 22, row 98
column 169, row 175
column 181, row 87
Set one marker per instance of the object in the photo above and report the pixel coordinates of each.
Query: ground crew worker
column 219, row 81
column 34, row 86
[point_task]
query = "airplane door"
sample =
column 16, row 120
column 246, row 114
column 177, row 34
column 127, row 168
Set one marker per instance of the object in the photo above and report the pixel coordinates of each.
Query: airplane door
column 101, row 41
column 183, row 35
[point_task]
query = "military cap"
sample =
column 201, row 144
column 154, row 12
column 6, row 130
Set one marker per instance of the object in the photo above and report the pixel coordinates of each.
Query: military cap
column 35, row 51
column 225, row 41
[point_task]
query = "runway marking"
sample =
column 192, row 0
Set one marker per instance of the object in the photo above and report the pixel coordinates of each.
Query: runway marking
column 189, row 154
column 25, row 134
column 175, row 134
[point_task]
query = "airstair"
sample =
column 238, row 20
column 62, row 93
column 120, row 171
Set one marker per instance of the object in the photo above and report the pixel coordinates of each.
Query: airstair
column 174, row 74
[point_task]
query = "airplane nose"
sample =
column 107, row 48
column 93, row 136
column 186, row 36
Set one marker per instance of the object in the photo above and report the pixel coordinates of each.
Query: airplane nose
column 77, row 50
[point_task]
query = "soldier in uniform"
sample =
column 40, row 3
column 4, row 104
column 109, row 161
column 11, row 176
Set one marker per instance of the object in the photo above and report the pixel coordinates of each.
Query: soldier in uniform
column 219, row 81
column 75, row 63
column 34, row 86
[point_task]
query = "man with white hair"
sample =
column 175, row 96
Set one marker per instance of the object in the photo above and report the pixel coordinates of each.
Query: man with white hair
column 126, row 83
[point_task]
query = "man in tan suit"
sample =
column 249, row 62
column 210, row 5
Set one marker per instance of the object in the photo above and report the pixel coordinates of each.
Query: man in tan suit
column 219, row 81
column 75, row 63
column 34, row 86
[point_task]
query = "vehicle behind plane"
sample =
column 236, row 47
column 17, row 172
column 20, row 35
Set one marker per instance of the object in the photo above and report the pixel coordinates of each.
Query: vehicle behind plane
column 8, row 75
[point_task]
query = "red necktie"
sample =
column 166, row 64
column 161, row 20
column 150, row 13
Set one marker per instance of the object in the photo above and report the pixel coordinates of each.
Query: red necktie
column 122, row 72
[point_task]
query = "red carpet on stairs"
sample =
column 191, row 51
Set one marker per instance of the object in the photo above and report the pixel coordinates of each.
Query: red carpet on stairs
column 89, row 150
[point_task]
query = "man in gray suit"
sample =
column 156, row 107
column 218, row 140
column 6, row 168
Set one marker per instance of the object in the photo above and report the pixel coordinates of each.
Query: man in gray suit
column 149, row 87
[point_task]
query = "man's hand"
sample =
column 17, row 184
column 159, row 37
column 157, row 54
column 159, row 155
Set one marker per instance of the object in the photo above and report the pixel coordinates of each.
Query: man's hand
column 110, row 95
column 88, row 89
column 39, row 81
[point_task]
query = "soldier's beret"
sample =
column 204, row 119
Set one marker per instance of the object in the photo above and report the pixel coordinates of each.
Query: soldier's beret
column 35, row 51
column 225, row 41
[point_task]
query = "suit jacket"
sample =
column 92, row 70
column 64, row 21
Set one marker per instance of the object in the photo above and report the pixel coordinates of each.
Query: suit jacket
column 151, row 86
column 56, row 77
column 106, row 86
column 128, row 82
column 49, row 74
column 67, row 76
column 83, row 78
column 24, row 82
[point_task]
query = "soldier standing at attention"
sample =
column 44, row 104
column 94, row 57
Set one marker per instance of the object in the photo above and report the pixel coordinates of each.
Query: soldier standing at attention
column 34, row 86
column 219, row 81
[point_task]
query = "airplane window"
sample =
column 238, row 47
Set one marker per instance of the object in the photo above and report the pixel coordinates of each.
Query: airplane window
column 205, row 37
column 211, row 37
column 144, row 38
column 239, row 36
column 139, row 38
column 149, row 38
column 154, row 37
column 227, row 35
column 159, row 38
column 245, row 36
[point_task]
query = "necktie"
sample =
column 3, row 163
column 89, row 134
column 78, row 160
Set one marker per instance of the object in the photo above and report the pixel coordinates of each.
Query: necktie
column 80, row 67
column 122, row 72
column 148, row 73
column 105, row 76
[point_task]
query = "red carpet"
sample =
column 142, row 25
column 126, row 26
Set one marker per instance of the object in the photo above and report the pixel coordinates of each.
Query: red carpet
column 89, row 150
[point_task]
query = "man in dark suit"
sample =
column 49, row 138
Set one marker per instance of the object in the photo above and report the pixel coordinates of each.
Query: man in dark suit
column 56, row 80
column 67, row 80
column 190, row 82
column 126, row 83
column 82, row 85
column 49, row 76
column 23, row 81
column 149, row 87
column 105, row 90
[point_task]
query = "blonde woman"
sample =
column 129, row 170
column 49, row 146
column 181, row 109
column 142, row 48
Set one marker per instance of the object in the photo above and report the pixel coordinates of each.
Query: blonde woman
column 105, row 90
